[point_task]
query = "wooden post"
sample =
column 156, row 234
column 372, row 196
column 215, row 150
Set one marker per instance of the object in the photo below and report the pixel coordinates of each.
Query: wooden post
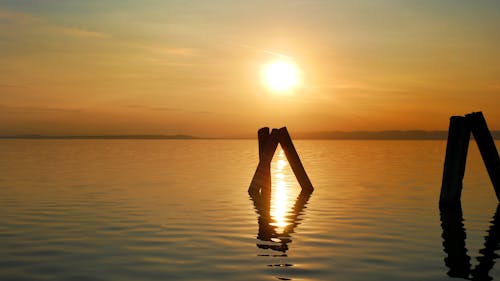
column 263, row 136
column 294, row 160
column 487, row 147
column 261, row 181
column 454, row 163
column 262, row 177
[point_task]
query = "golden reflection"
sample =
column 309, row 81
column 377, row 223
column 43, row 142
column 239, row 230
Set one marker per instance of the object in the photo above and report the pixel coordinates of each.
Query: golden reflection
column 279, row 206
column 279, row 202
column 279, row 211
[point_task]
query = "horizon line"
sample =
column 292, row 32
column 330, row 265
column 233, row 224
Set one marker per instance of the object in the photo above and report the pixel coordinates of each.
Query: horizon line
column 323, row 135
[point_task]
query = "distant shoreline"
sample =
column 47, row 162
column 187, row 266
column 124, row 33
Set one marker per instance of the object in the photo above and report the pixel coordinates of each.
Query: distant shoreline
column 332, row 135
column 104, row 137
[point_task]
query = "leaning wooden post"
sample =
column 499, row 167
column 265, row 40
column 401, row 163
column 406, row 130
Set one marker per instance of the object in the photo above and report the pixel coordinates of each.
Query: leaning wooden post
column 487, row 147
column 262, row 177
column 294, row 160
column 263, row 136
column 454, row 163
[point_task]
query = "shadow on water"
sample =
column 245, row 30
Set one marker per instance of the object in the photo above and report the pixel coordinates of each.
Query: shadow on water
column 454, row 234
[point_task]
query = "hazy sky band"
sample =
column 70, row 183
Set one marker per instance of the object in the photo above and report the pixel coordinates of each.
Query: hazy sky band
column 191, row 67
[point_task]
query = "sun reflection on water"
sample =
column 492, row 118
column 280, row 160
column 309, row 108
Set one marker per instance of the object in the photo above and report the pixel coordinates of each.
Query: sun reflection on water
column 280, row 202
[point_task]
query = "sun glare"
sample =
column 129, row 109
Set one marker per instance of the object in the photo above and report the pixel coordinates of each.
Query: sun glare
column 281, row 76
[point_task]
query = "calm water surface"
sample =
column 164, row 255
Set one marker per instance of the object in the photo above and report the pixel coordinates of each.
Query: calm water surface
column 179, row 210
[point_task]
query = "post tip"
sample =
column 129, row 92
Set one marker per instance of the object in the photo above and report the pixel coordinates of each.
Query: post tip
column 476, row 113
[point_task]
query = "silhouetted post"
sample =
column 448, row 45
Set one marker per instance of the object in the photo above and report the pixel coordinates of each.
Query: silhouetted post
column 294, row 160
column 261, row 181
column 263, row 136
column 262, row 177
column 487, row 147
column 454, row 163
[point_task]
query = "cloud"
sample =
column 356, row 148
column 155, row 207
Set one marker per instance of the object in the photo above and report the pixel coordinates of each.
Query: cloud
column 17, row 18
column 180, row 51
column 364, row 88
column 171, row 51
column 153, row 108
column 204, row 112
column 494, row 86
column 80, row 32
column 35, row 109
column 11, row 86
column 265, row 51
column 161, row 108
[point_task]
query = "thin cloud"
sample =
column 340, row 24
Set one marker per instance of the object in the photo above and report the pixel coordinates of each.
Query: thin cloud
column 265, row 51
column 11, row 86
column 162, row 108
column 364, row 88
column 171, row 50
column 80, row 32
column 494, row 86
column 18, row 18
column 204, row 112
column 180, row 51
column 33, row 109
column 153, row 108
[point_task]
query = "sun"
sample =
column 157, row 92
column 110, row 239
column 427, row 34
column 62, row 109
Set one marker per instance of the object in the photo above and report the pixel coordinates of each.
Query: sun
column 281, row 76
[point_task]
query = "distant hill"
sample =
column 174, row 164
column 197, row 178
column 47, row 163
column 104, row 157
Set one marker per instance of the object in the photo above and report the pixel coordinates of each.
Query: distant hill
column 327, row 135
column 104, row 137
column 381, row 135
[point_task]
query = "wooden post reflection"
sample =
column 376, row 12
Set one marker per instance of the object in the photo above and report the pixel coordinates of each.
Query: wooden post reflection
column 267, row 231
column 458, row 261
column 491, row 244
column 454, row 235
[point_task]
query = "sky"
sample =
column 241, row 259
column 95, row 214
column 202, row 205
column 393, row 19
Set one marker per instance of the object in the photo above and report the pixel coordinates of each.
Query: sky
column 193, row 67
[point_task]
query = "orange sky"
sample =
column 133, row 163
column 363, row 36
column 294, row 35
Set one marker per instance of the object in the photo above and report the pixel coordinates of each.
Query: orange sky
column 192, row 67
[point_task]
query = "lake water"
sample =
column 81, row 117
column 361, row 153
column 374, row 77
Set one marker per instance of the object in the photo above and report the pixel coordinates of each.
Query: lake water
column 179, row 210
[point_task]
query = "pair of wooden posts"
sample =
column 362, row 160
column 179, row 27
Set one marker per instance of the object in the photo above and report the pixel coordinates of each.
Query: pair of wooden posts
column 456, row 156
column 268, row 142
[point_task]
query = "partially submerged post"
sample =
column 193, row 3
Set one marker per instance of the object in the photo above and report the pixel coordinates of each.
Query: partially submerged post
column 294, row 160
column 487, row 147
column 263, row 135
column 262, row 178
column 454, row 163
column 456, row 155
column 261, row 181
